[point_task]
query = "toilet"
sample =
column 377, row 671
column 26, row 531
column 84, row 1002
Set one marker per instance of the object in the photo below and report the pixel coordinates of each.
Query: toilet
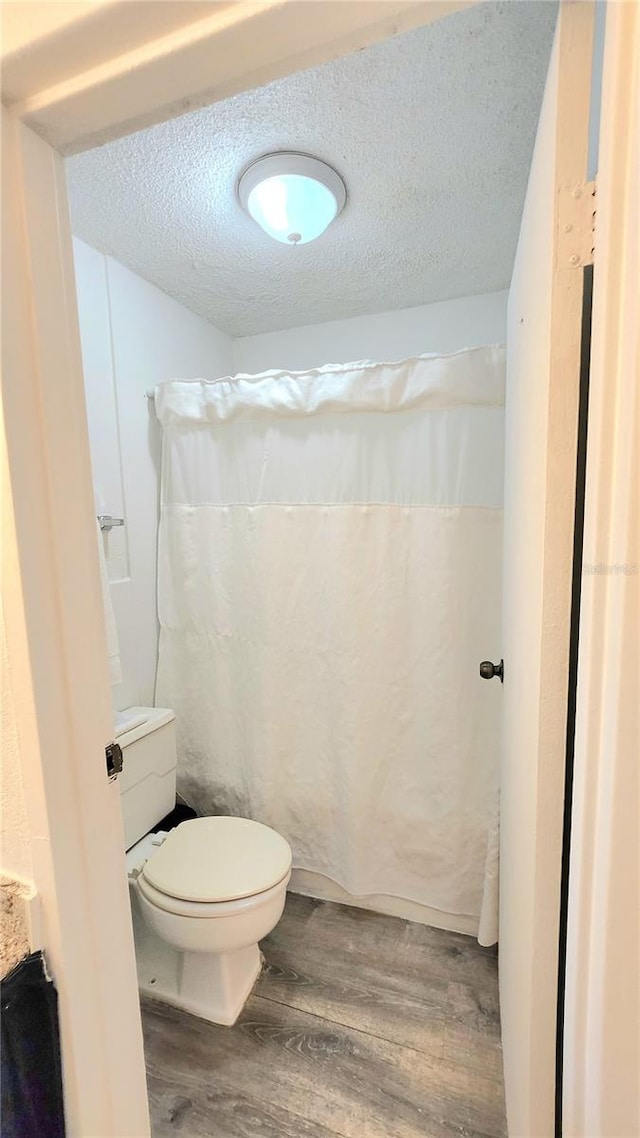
column 205, row 893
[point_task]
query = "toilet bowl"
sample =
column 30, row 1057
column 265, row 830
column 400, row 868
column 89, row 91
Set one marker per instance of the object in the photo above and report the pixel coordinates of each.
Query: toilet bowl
column 202, row 895
column 211, row 891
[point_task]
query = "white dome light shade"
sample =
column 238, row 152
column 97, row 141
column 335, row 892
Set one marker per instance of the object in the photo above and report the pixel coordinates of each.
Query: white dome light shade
column 293, row 197
column 292, row 208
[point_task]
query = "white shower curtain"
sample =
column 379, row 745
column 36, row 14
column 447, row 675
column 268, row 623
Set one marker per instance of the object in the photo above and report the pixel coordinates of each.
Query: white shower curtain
column 329, row 579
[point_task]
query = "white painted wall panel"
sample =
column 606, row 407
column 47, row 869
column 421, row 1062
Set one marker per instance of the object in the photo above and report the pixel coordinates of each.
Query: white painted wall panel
column 134, row 337
column 447, row 326
column 15, row 840
column 154, row 338
column 104, row 438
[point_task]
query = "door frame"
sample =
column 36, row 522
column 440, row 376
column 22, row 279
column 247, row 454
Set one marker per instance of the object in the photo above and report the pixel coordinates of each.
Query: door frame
column 544, row 333
column 57, row 654
column 601, row 1093
column 50, row 565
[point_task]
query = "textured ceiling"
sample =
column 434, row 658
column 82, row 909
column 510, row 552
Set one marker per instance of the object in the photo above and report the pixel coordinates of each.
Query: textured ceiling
column 432, row 131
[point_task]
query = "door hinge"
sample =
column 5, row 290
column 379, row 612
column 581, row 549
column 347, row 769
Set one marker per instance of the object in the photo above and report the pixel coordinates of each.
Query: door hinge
column 113, row 753
column 576, row 225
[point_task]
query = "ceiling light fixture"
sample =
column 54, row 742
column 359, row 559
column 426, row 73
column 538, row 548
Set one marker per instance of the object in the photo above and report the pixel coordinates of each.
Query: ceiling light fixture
column 293, row 197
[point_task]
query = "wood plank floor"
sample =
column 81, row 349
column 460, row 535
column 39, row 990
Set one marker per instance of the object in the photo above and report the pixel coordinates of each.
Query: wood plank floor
column 361, row 1026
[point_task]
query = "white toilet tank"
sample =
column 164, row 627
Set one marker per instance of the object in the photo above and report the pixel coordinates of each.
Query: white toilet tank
column 149, row 759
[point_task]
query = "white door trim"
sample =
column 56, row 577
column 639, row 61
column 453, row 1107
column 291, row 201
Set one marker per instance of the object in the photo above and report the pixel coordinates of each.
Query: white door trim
column 57, row 654
column 544, row 350
column 602, row 1040
column 124, row 69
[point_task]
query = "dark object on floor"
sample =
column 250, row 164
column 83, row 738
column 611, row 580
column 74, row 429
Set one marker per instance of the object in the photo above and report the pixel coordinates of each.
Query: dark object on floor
column 180, row 813
column 32, row 1102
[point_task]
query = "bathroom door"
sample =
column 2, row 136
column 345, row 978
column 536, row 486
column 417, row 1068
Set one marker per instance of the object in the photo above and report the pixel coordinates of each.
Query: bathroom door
column 543, row 381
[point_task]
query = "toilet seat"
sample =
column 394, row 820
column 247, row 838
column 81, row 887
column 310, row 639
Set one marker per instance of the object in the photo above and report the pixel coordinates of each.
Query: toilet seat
column 206, row 863
column 208, row 909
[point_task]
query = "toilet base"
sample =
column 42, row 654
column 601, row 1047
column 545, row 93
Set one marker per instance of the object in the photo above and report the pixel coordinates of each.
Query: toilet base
column 217, row 987
column 213, row 987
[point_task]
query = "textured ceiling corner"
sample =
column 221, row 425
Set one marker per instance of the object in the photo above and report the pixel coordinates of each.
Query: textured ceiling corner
column 433, row 132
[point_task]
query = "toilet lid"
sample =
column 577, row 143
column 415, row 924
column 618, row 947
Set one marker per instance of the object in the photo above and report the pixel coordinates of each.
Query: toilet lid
column 218, row 859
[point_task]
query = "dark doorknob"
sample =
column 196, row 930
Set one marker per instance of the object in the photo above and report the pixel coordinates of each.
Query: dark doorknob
column 489, row 670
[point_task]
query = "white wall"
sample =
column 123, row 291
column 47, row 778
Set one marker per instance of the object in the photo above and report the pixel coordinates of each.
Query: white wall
column 447, row 326
column 15, row 842
column 18, row 917
column 134, row 337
